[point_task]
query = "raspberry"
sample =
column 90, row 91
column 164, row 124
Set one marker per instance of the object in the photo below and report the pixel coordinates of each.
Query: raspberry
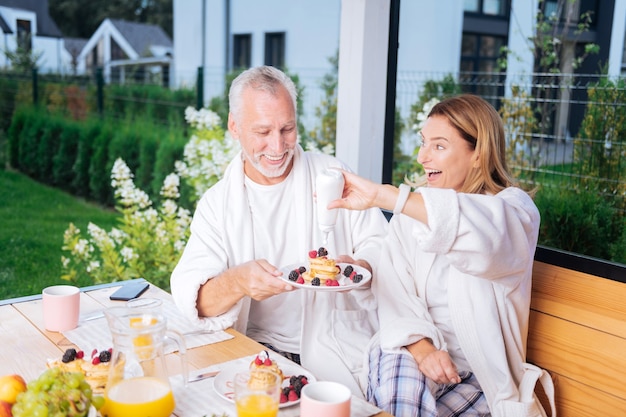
column 283, row 398
column 332, row 283
column 322, row 252
column 300, row 280
column 94, row 352
column 95, row 360
column 267, row 362
column 352, row 275
column 80, row 354
column 258, row 361
column 302, row 270
column 293, row 396
column 348, row 270
column 357, row 278
column 293, row 275
column 316, row 282
column 312, row 254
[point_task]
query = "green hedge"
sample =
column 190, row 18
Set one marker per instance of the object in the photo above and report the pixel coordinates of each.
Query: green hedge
column 78, row 156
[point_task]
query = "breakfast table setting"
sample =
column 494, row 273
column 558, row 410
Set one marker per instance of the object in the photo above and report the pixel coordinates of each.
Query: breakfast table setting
column 200, row 370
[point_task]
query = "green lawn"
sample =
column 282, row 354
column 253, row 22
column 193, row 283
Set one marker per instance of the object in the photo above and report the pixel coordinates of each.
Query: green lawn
column 33, row 218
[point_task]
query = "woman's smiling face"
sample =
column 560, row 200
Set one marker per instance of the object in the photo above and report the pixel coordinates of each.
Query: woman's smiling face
column 446, row 157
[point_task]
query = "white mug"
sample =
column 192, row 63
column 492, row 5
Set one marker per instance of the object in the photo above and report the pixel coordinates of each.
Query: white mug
column 61, row 307
column 325, row 398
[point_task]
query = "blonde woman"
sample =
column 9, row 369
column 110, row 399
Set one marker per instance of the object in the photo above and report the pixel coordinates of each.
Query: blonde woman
column 454, row 283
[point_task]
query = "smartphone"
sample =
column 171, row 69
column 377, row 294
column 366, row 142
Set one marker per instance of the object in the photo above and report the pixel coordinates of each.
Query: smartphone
column 129, row 291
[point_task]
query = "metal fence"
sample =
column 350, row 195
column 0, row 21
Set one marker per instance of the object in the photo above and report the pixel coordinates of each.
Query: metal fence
column 547, row 146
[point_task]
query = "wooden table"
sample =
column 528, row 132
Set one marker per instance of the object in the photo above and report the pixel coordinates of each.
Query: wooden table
column 26, row 345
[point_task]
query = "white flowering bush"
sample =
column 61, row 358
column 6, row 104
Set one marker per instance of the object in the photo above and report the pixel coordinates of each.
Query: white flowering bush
column 149, row 241
column 421, row 116
column 147, row 244
column 207, row 153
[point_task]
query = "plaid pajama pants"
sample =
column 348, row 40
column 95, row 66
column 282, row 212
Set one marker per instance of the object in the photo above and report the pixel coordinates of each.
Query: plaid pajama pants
column 397, row 386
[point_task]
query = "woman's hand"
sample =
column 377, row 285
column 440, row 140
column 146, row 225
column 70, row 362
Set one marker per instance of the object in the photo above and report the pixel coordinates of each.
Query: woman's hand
column 358, row 193
column 435, row 364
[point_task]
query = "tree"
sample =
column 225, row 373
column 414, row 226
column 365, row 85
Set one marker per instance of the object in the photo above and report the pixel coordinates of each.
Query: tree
column 80, row 19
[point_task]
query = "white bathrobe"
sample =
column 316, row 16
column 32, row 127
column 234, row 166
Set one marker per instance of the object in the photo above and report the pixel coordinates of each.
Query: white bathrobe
column 489, row 242
column 336, row 327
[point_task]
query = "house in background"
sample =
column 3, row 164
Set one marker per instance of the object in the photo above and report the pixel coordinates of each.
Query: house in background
column 127, row 49
column 435, row 39
column 27, row 24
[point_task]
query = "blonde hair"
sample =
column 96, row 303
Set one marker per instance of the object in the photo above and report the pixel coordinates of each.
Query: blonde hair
column 480, row 125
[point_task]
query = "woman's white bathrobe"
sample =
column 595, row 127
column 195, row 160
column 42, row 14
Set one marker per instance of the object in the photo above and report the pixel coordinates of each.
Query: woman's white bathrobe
column 489, row 242
column 336, row 327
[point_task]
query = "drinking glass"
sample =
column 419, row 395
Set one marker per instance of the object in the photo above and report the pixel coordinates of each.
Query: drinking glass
column 257, row 393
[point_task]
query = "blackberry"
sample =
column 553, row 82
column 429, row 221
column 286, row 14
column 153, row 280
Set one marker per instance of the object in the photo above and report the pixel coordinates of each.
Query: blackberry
column 69, row 355
column 286, row 391
column 348, row 270
column 302, row 270
column 316, row 282
column 105, row 356
column 357, row 278
column 293, row 275
column 322, row 251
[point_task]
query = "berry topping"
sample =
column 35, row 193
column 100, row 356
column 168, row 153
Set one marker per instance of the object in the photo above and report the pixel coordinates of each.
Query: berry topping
column 69, row 355
column 258, row 361
column 267, row 362
column 302, row 270
column 322, row 252
column 357, row 278
column 352, row 275
column 332, row 283
column 293, row 275
column 315, row 282
column 104, row 356
column 312, row 254
column 80, row 354
column 348, row 270
column 283, row 397
column 293, row 396
column 300, row 280
column 94, row 353
column 95, row 360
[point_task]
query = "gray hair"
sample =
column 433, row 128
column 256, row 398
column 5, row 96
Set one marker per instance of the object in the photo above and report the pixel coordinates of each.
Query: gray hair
column 263, row 78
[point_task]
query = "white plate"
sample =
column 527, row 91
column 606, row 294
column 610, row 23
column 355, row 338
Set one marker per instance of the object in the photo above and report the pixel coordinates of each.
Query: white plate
column 345, row 283
column 223, row 382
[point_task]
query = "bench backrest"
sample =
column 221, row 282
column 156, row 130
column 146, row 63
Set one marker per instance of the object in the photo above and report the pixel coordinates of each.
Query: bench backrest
column 578, row 333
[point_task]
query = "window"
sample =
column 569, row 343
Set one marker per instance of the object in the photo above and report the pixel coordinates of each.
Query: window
column 486, row 7
column 562, row 7
column 275, row 49
column 242, row 47
column 117, row 53
column 479, row 60
column 24, row 35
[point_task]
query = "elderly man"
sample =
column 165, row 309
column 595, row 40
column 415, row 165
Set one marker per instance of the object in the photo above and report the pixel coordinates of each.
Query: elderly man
column 260, row 217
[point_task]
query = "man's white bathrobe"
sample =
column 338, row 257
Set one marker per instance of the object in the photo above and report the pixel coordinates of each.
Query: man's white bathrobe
column 336, row 326
column 489, row 243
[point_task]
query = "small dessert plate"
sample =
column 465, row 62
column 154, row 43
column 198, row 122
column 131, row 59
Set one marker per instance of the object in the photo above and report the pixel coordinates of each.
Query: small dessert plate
column 345, row 283
column 224, row 386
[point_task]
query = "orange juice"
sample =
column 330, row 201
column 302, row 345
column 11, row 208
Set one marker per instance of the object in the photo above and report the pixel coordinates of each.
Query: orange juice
column 257, row 405
column 138, row 397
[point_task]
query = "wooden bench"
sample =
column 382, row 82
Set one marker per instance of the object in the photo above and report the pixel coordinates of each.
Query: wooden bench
column 578, row 333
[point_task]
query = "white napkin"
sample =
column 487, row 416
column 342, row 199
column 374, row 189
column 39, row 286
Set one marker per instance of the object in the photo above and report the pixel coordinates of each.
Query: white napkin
column 94, row 333
column 199, row 399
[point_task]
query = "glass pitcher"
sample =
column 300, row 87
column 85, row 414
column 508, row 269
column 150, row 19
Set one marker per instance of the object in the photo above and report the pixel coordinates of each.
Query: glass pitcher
column 138, row 383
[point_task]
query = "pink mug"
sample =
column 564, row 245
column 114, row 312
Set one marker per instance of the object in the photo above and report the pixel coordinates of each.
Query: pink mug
column 325, row 398
column 61, row 307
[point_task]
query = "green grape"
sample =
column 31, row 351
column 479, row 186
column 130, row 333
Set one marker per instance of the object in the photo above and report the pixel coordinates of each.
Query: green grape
column 55, row 394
